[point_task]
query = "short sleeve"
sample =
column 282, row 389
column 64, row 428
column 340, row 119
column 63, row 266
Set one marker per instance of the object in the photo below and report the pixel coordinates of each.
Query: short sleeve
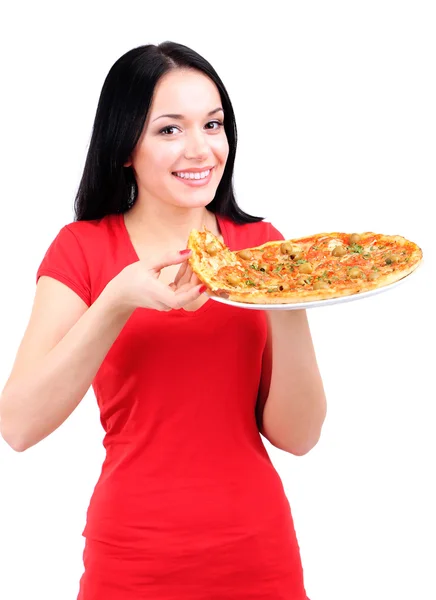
column 66, row 262
column 274, row 234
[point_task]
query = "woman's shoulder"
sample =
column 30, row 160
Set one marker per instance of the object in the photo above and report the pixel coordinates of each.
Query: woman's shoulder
column 93, row 237
column 89, row 230
column 78, row 254
column 86, row 239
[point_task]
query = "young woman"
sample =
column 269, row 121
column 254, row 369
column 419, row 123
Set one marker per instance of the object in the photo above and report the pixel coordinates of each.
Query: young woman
column 188, row 505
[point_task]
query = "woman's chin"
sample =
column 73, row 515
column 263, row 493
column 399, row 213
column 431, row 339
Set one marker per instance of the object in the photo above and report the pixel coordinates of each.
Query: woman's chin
column 193, row 200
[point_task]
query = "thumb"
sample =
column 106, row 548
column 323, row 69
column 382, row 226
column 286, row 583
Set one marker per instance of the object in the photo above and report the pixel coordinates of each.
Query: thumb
column 171, row 258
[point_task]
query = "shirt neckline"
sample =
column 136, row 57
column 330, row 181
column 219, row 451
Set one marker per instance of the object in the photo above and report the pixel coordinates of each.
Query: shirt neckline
column 132, row 252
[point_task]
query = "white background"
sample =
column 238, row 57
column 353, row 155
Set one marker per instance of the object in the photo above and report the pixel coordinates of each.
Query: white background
column 335, row 105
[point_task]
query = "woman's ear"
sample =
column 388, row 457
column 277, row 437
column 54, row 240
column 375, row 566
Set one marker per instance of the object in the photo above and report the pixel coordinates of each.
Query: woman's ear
column 128, row 163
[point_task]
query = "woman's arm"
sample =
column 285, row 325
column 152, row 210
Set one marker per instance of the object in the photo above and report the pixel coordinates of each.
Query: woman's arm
column 291, row 391
column 61, row 351
column 66, row 342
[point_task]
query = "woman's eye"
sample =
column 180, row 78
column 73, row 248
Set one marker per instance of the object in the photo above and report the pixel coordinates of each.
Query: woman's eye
column 219, row 123
column 167, row 130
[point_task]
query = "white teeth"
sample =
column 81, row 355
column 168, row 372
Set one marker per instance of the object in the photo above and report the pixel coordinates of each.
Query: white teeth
column 201, row 175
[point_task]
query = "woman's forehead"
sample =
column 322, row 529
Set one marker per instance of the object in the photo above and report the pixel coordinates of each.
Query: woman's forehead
column 184, row 92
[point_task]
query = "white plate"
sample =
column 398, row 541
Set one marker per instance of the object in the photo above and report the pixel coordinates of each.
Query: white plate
column 315, row 303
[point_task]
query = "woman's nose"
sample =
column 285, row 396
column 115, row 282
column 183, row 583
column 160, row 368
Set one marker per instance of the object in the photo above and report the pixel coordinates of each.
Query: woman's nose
column 196, row 145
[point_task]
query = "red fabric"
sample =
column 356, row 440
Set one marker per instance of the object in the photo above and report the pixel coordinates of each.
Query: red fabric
column 188, row 505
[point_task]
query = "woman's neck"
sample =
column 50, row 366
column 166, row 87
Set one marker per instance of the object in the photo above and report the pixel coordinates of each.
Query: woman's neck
column 167, row 227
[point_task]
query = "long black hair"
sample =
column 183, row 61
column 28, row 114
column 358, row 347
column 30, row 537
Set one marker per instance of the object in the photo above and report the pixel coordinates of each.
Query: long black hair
column 107, row 187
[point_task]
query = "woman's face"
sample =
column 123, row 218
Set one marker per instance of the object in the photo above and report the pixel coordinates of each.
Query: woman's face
column 192, row 141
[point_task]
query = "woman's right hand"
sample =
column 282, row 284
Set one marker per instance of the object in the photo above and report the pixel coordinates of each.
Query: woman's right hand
column 138, row 285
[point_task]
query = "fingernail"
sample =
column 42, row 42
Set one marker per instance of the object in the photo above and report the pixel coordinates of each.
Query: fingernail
column 203, row 289
column 187, row 251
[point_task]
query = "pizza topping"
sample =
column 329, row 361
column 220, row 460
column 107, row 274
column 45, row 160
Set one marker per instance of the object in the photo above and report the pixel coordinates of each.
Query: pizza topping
column 354, row 238
column 269, row 256
column 212, row 248
column 282, row 269
column 286, row 248
column 294, row 252
column 233, row 279
column 356, row 249
column 355, row 273
column 339, row 251
column 392, row 258
column 233, row 276
column 304, row 281
column 245, row 254
column 305, row 267
column 321, row 285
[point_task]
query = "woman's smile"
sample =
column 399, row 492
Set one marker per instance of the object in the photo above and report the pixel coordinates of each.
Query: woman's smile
column 194, row 178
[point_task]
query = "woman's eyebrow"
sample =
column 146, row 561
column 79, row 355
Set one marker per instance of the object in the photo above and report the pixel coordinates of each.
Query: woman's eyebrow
column 174, row 116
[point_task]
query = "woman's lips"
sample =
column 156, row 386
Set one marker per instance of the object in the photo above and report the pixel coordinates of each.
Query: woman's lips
column 195, row 182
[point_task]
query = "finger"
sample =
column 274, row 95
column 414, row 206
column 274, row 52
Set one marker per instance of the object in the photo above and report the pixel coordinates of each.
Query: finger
column 189, row 277
column 194, row 279
column 184, row 288
column 186, row 278
column 171, row 258
column 162, row 295
column 173, row 286
column 181, row 272
column 193, row 282
column 182, row 297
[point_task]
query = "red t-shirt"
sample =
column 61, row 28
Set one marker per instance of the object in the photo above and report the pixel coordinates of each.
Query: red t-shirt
column 187, row 484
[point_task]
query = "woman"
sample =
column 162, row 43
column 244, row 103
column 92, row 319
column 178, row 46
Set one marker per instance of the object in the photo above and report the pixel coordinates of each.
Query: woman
column 188, row 505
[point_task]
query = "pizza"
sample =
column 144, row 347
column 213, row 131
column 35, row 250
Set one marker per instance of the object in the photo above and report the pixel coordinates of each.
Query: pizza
column 316, row 267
